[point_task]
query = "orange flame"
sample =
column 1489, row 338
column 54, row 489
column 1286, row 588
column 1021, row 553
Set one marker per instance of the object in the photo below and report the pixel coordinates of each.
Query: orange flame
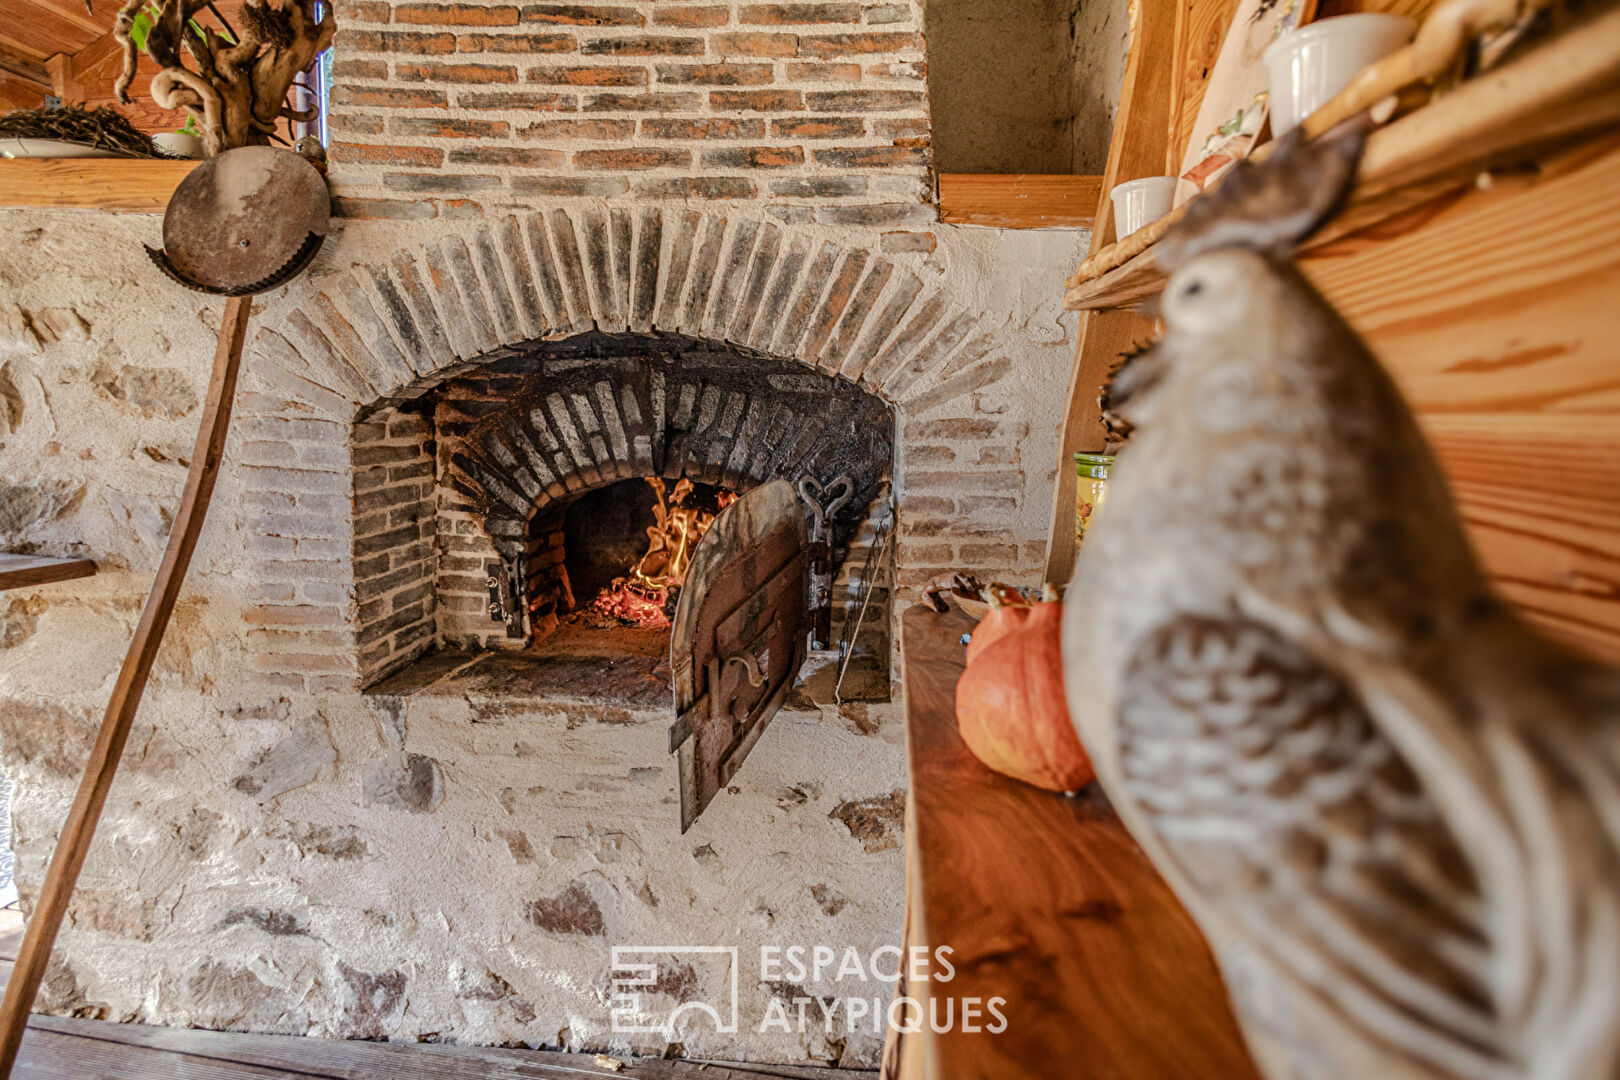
column 642, row 597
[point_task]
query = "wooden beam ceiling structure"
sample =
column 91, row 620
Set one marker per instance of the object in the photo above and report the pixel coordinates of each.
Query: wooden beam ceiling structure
column 36, row 30
column 57, row 47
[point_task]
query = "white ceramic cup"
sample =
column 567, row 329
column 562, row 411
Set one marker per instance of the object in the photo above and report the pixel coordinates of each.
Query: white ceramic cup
column 179, row 144
column 1141, row 202
column 1309, row 65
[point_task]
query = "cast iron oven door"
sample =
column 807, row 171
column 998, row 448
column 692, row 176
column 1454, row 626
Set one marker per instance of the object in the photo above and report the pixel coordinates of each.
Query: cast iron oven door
column 738, row 638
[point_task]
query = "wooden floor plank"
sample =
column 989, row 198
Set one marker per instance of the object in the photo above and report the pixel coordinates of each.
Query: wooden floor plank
column 49, row 1055
column 54, row 1040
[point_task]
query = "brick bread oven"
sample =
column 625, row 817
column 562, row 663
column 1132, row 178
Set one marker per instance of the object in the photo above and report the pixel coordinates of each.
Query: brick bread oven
column 319, row 827
column 537, row 501
column 380, row 336
column 522, row 440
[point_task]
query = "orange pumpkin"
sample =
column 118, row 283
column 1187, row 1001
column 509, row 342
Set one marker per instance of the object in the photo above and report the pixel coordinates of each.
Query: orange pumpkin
column 1006, row 615
column 1010, row 705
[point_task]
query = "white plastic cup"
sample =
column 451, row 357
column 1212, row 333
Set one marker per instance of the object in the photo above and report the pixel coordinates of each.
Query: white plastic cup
column 1308, row 66
column 1138, row 203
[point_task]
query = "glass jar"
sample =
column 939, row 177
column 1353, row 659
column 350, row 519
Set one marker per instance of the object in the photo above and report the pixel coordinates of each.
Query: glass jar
column 1089, row 489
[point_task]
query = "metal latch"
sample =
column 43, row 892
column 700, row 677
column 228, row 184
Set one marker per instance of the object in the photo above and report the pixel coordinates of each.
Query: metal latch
column 822, row 503
column 504, row 580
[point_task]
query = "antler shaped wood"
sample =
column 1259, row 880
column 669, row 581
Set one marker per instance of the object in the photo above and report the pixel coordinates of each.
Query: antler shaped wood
column 237, row 90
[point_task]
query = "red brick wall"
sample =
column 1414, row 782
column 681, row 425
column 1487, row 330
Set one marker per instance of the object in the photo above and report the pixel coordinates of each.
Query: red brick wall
column 818, row 110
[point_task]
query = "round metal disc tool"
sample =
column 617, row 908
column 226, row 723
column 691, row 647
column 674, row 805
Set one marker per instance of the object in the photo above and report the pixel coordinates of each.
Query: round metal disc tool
column 244, row 222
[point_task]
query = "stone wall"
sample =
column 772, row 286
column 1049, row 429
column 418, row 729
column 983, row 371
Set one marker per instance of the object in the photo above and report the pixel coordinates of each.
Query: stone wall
column 1024, row 85
column 998, row 84
column 282, row 853
column 1102, row 40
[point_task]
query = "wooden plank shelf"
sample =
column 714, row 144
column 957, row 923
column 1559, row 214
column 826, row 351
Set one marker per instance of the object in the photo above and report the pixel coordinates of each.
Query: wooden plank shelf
column 132, row 185
column 1562, row 89
column 22, row 571
column 1019, row 201
column 1047, row 903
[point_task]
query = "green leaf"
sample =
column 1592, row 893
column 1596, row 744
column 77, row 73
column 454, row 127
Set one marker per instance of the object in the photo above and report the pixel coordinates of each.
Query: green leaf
column 139, row 27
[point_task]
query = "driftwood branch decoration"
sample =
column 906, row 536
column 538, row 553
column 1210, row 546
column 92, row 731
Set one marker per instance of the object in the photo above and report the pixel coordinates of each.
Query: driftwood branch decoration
column 236, row 84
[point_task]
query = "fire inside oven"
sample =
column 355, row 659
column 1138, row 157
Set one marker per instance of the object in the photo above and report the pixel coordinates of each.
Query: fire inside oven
column 627, row 549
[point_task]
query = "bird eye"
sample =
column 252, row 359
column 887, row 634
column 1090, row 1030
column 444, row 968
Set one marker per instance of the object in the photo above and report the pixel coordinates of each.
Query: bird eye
column 1193, row 288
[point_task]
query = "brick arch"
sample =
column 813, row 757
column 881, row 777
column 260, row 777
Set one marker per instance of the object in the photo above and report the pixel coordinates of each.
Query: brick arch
column 380, row 331
column 339, row 347
column 536, row 431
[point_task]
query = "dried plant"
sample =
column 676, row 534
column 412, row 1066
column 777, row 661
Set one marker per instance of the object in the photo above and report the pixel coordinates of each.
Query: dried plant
column 104, row 128
column 236, row 87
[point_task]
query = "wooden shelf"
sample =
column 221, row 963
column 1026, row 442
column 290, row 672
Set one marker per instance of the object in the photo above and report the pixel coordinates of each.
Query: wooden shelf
column 21, row 571
column 1046, row 902
column 1564, row 88
column 1021, row 201
column 135, row 185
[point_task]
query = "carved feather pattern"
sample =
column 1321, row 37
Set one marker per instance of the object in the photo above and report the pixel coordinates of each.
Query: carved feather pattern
column 1275, row 793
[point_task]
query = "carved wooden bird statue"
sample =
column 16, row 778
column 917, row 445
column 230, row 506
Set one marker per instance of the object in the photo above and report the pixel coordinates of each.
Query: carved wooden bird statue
column 1393, row 808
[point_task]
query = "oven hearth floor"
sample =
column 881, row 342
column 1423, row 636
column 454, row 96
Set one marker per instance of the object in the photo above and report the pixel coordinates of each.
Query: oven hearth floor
column 626, row 666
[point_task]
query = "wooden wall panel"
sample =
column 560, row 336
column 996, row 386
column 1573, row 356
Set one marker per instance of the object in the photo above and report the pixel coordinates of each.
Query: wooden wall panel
column 55, row 47
column 1499, row 315
column 1136, row 149
column 1200, row 29
column 43, row 30
column 19, row 93
column 87, row 78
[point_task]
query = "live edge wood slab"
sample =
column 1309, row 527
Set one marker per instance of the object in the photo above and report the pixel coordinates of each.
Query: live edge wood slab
column 131, row 185
column 1019, row 201
column 1046, row 902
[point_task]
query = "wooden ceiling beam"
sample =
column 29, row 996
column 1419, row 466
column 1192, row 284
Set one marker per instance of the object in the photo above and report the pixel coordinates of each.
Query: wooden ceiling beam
column 16, row 93
column 23, row 67
column 37, row 31
column 73, row 11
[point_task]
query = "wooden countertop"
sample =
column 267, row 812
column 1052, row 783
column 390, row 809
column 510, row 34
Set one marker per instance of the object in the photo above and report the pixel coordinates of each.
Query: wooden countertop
column 1047, row 902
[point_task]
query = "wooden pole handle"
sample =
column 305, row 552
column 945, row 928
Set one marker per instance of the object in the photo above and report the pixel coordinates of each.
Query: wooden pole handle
column 74, row 842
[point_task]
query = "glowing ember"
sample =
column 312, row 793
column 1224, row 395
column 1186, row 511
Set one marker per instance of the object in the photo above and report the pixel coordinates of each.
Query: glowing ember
column 643, row 597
